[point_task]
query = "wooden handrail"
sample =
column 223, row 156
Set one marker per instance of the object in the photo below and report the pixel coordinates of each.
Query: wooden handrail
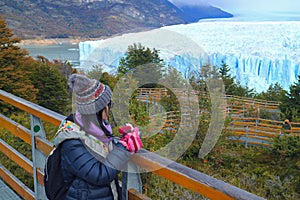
column 260, row 122
column 189, row 178
column 24, row 134
column 180, row 174
column 16, row 129
column 163, row 92
column 31, row 108
column 15, row 156
column 252, row 100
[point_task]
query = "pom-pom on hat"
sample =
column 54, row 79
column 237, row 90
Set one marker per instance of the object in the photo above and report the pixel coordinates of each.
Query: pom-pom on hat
column 91, row 96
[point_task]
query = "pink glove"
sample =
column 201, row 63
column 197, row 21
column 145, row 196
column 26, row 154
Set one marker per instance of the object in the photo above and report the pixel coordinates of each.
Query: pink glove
column 130, row 138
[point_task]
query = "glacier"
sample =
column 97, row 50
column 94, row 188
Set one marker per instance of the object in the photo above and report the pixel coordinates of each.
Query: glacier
column 259, row 53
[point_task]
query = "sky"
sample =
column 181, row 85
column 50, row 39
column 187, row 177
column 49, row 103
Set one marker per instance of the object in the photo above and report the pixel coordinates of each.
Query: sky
column 239, row 7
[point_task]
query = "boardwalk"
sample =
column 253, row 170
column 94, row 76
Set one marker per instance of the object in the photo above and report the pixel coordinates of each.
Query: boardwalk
column 6, row 193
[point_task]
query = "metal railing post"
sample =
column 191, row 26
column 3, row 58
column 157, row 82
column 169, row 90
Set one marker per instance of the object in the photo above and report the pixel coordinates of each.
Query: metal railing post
column 38, row 158
column 246, row 140
column 131, row 179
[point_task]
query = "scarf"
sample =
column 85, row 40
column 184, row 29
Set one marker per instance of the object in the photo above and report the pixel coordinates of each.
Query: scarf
column 95, row 130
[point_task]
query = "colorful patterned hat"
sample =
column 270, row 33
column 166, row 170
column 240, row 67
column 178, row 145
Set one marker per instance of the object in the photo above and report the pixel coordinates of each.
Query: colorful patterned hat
column 91, row 96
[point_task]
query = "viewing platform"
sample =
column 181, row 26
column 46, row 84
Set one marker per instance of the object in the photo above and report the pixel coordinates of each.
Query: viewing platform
column 7, row 193
column 193, row 180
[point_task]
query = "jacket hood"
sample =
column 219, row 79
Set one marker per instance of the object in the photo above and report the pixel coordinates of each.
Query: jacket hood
column 68, row 130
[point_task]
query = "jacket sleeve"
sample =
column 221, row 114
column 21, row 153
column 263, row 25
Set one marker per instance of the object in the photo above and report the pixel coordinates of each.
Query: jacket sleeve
column 84, row 165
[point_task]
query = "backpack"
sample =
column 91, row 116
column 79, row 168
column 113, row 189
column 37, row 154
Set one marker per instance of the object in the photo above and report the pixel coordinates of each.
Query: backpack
column 55, row 187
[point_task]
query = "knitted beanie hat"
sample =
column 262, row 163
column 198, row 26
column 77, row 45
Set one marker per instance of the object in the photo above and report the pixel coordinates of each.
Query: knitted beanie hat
column 91, row 96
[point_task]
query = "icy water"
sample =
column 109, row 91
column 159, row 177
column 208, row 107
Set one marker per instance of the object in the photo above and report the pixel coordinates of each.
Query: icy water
column 60, row 51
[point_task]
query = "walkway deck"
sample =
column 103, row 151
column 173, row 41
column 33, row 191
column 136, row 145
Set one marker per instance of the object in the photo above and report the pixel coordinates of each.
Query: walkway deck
column 6, row 193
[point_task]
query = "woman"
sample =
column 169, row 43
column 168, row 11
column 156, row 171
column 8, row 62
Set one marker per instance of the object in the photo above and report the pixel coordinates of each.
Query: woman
column 91, row 158
column 287, row 126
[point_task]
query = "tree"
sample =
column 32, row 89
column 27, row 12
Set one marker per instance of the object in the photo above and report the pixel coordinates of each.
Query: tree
column 143, row 62
column 14, row 65
column 96, row 72
column 108, row 79
column 274, row 93
column 290, row 104
column 65, row 68
column 103, row 77
column 52, row 86
column 232, row 87
column 173, row 78
column 227, row 79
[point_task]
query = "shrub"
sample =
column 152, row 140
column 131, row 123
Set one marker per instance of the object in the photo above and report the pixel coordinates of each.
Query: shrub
column 287, row 146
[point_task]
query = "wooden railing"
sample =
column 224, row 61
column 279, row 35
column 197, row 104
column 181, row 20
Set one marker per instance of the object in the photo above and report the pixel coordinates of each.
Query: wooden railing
column 191, row 179
column 152, row 94
column 258, row 131
column 253, row 101
column 234, row 104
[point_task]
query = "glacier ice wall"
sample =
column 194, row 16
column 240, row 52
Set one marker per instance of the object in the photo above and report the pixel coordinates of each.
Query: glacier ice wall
column 258, row 53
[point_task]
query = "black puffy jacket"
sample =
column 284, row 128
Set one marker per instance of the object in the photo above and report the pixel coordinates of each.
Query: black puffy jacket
column 88, row 177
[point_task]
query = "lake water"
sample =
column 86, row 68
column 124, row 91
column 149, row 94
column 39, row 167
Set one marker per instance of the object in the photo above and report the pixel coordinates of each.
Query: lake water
column 60, row 51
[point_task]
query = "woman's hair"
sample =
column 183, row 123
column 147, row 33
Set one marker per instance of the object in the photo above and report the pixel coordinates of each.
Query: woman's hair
column 97, row 120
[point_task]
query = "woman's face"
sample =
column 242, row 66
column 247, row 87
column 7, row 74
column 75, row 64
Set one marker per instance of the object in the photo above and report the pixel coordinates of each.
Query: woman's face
column 107, row 108
column 110, row 104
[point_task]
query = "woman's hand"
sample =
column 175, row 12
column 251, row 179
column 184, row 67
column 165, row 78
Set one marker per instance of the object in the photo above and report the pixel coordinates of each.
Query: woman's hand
column 130, row 138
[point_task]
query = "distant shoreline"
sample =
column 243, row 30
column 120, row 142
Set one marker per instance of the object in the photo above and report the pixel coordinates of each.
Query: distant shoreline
column 42, row 42
column 45, row 42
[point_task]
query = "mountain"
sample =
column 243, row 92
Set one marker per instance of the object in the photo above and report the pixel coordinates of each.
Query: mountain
column 195, row 12
column 96, row 18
